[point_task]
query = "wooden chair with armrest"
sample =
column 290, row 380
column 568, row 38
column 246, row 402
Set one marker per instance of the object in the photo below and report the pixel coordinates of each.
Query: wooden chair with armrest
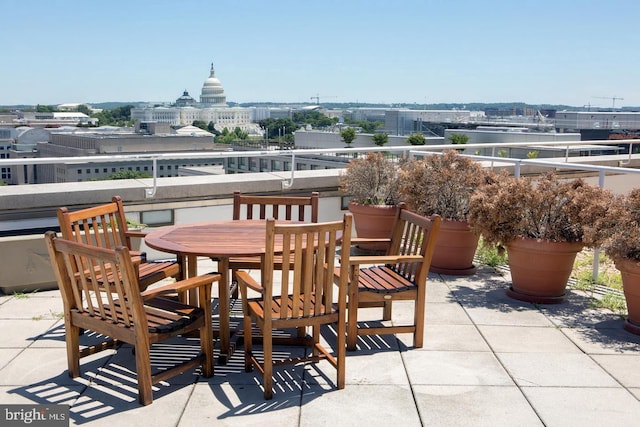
column 106, row 226
column 399, row 275
column 119, row 311
column 300, row 293
column 290, row 208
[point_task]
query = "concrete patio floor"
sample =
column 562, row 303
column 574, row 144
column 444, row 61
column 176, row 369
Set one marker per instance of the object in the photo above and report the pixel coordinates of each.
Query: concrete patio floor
column 487, row 360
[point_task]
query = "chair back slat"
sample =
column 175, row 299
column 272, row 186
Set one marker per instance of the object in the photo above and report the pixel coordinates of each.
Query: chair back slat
column 413, row 234
column 104, row 226
column 290, row 208
column 309, row 254
column 81, row 268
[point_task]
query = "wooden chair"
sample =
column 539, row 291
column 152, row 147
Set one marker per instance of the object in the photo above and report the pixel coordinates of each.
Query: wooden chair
column 401, row 274
column 105, row 226
column 291, row 208
column 119, row 311
column 305, row 298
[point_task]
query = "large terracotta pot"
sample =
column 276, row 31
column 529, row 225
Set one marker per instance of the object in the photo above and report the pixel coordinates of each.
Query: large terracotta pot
column 455, row 248
column 373, row 221
column 540, row 269
column 630, row 272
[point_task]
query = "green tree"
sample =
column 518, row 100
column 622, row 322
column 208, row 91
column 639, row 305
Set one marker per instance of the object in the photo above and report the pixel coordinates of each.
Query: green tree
column 45, row 108
column 200, row 124
column 348, row 135
column 416, row 139
column 228, row 137
column 458, row 138
column 380, row 139
column 128, row 174
column 84, row 109
column 278, row 127
column 314, row 118
column 120, row 116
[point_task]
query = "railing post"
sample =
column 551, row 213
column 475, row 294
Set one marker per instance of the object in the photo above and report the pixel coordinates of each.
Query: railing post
column 596, row 252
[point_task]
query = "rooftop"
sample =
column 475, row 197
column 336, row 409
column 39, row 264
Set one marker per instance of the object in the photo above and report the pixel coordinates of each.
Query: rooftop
column 487, row 360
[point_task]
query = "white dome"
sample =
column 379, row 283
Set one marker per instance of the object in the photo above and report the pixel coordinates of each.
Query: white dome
column 212, row 91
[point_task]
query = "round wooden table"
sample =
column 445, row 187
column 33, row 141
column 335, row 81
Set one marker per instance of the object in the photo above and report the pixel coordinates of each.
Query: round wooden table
column 219, row 240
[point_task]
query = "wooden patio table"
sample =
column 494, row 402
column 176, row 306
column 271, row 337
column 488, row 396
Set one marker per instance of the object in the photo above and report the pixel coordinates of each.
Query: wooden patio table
column 219, row 240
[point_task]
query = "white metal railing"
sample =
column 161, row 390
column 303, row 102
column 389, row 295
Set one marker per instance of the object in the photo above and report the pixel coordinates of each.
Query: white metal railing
column 408, row 149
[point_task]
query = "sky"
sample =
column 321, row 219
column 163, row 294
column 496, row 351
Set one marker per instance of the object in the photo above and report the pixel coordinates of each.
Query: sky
column 570, row 52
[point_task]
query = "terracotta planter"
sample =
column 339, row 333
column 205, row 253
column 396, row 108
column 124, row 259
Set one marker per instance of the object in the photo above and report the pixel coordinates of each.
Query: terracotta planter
column 373, row 221
column 630, row 272
column 455, row 248
column 540, row 269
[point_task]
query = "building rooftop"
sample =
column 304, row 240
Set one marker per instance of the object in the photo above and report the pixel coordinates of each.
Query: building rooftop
column 487, row 360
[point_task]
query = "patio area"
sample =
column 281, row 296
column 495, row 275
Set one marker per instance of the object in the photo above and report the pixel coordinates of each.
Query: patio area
column 487, row 360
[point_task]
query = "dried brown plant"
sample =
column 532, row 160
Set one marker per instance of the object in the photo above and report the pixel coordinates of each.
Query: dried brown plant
column 371, row 180
column 441, row 184
column 546, row 207
column 619, row 229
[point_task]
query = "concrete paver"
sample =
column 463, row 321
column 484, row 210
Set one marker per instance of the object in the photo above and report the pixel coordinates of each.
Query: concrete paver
column 487, row 360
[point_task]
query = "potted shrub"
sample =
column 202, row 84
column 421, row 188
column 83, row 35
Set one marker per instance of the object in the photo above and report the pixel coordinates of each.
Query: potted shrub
column 618, row 233
column 443, row 184
column 542, row 223
column 372, row 183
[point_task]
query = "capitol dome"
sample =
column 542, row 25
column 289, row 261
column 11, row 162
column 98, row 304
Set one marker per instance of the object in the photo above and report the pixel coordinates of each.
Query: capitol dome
column 213, row 92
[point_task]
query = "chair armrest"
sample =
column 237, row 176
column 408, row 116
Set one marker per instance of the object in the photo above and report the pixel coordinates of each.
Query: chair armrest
column 182, row 285
column 135, row 233
column 383, row 259
column 356, row 240
column 244, row 279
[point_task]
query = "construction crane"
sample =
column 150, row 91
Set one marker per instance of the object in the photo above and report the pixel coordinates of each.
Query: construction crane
column 317, row 98
column 612, row 98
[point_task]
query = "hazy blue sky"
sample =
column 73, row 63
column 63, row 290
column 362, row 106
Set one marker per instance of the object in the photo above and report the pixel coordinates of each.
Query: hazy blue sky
column 424, row 51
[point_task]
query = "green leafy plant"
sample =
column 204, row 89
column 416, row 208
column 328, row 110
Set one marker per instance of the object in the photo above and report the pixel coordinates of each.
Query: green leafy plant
column 416, row 139
column 348, row 135
column 491, row 255
column 380, row 139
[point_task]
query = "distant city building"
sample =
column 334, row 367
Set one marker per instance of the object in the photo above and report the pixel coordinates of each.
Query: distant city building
column 212, row 108
column 151, row 138
column 55, row 119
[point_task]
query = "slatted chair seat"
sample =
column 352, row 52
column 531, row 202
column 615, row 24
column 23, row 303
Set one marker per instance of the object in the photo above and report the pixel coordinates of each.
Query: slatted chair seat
column 383, row 280
column 163, row 315
column 123, row 314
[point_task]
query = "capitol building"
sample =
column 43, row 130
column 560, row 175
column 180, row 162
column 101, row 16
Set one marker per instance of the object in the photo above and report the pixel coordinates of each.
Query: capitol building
column 212, row 107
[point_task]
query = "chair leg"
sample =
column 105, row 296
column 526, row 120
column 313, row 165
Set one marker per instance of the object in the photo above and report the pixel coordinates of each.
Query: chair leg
column 206, row 333
column 248, row 343
column 73, row 349
column 386, row 311
column 352, row 321
column 143, row 370
column 418, row 334
column 267, row 347
column 341, row 351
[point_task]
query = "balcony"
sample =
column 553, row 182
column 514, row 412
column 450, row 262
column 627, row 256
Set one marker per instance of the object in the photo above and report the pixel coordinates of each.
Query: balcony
column 487, row 359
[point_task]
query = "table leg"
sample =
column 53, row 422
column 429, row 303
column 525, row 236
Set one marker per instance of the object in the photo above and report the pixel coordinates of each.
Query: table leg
column 191, row 262
column 224, row 310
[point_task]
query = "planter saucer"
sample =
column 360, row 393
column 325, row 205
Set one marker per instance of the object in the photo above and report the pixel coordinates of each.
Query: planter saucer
column 454, row 271
column 536, row 299
column 631, row 327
